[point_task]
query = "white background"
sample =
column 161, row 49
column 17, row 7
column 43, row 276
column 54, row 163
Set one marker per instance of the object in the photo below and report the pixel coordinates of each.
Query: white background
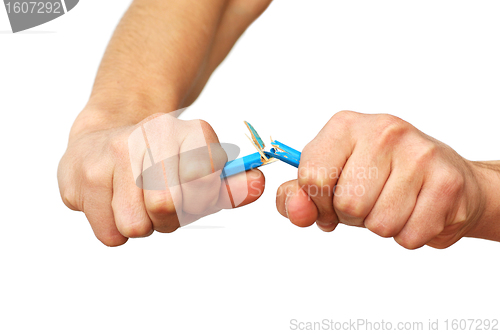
column 432, row 63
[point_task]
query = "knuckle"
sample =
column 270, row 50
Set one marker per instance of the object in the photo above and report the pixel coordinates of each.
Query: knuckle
column 204, row 123
column 112, row 240
column 437, row 229
column 118, row 145
column 218, row 156
column 135, row 229
column 168, row 228
column 349, row 206
column 390, row 129
column 409, row 242
column 205, row 126
column 199, row 170
column 308, row 150
column 380, row 228
column 312, row 176
column 68, row 199
column 343, row 117
column 450, row 182
column 440, row 246
column 130, row 221
column 160, row 203
column 441, row 242
column 67, row 193
column 93, row 174
column 426, row 153
column 207, row 134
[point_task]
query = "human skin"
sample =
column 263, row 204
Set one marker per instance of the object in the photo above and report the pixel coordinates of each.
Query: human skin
column 424, row 192
column 144, row 72
column 394, row 180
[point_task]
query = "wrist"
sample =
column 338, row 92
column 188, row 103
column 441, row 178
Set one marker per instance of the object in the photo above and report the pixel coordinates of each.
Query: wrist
column 488, row 224
column 115, row 111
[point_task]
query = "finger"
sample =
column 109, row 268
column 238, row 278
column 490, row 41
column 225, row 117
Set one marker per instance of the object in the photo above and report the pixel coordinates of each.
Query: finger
column 293, row 203
column 361, row 182
column 436, row 209
column 161, row 208
column 161, row 190
column 200, row 164
column 199, row 183
column 395, row 203
column 241, row 189
column 97, row 208
column 424, row 224
column 236, row 191
column 365, row 174
column 327, row 227
column 128, row 205
column 162, row 194
column 426, row 221
column 321, row 164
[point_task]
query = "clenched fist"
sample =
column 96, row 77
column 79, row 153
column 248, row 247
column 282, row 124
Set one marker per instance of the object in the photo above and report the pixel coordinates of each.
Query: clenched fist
column 380, row 172
column 157, row 175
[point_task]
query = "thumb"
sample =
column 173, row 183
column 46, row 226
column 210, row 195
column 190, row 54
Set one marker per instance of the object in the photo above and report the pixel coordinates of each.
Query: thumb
column 294, row 203
column 241, row 189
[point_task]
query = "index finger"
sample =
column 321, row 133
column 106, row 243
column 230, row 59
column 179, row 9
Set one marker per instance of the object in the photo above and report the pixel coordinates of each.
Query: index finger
column 321, row 164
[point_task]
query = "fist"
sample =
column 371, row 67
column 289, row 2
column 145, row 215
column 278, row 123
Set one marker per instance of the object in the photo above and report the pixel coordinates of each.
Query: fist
column 155, row 176
column 380, row 172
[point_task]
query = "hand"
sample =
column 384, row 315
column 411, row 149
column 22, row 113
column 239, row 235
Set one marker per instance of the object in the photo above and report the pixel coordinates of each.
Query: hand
column 380, row 172
column 110, row 176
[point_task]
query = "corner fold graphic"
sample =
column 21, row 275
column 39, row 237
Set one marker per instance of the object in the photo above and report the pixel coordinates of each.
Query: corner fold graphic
column 70, row 4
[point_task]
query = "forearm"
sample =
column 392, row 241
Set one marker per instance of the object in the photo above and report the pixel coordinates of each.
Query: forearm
column 152, row 61
column 488, row 225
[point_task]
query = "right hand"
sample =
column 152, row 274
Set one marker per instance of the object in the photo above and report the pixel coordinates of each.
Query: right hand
column 98, row 173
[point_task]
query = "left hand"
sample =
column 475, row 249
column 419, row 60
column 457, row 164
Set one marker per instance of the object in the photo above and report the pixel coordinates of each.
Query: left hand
column 380, row 172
